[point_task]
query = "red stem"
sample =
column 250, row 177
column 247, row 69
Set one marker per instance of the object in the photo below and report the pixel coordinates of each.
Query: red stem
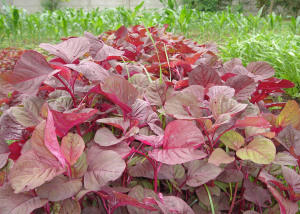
column 234, row 197
column 67, row 89
column 207, row 134
column 154, row 168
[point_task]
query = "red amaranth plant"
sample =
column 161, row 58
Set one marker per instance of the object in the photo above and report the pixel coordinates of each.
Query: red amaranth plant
column 127, row 123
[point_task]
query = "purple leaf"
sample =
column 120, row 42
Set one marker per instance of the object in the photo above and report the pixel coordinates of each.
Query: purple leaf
column 145, row 169
column 204, row 75
column 29, row 115
column 229, row 65
column 286, row 206
column 9, row 128
column 184, row 104
column 95, row 43
column 103, row 167
column 104, row 137
column 60, row 188
column 155, row 93
column 178, row 145
column 201, row 172
column 30, row 71
column 216, row 91
column 172, row 204
column 261, row 70
column 292, row 178
column 140, row 193
column 92, row 71
column 107, row 51
column 4, row 153
column 11, row 203
column 290, row 137
column 285, row 159
column 230, row 174
column 223, row 105
column 70, row 206
column 256, row 194
column 69, row 50
column 51, row 141
column 244, row 86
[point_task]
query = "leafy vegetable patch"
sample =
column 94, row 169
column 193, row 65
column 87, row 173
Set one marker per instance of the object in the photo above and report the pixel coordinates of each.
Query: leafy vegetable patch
column 139, row 120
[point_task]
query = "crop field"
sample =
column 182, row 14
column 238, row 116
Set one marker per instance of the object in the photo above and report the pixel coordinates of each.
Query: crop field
column 166, row 111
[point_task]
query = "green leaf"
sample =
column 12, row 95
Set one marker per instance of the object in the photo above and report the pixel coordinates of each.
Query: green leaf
column 233, row 140
column 261, row 151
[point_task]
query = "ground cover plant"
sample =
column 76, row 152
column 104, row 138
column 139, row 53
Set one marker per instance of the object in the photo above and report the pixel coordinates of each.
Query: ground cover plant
column 272, row 38
column 140, row 120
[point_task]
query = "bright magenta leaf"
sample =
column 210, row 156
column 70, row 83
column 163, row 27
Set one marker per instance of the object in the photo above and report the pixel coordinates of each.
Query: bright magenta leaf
column 51, row 141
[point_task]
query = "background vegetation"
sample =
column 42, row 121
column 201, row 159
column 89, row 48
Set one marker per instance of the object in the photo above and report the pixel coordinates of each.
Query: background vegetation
column 270, row 37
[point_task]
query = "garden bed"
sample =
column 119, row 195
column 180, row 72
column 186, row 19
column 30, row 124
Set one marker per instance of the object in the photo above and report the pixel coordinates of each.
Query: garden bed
column 140, row 120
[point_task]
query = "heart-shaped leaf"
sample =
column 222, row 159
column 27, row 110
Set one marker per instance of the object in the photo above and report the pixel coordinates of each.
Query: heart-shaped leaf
column 201, row 172
column 219, row 156
column 233, row 140
column 103, row 166
column 261, row 150
column 72, row 146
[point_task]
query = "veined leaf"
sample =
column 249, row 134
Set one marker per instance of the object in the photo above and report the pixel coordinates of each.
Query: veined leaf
column 233, row 140
column 261, row 150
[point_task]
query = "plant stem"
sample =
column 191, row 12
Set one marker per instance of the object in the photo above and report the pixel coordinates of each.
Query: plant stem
column 234, row 197
column 67, row 89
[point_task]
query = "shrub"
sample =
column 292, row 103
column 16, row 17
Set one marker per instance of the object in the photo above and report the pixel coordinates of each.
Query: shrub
column 143, row 121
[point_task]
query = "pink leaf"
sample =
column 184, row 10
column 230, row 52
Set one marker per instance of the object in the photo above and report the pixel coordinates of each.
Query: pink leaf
column 72, row 146
column 258, row 121
column 69, row 50
column 178, row 145
column 51, row 141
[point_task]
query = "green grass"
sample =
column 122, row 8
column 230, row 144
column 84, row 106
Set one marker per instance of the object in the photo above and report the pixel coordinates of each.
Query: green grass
column 273, row 38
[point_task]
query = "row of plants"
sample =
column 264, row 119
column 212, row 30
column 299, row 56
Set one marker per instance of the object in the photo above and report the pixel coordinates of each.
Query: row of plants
column 252, row 38
column 140, row 120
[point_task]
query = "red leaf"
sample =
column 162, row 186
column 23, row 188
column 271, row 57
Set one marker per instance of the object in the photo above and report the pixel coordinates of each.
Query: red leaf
column 65, row 121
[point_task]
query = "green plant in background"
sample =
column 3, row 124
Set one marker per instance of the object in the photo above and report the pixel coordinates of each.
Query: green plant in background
column 292, row 6
column 272, row 38
column 51, row 4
